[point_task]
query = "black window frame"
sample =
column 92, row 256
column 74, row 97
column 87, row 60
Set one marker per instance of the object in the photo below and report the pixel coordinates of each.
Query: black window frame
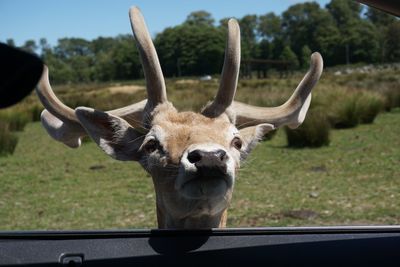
column 272, row 246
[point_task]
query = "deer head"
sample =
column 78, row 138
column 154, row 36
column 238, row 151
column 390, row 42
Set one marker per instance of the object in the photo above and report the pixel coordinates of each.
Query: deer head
column 192, row 157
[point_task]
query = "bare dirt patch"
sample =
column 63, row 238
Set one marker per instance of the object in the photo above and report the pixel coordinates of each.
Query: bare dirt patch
column 187, row 81
column 125, row 89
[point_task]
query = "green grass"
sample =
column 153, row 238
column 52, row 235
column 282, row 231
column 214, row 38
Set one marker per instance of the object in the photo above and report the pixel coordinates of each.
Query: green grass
column 8, row 140
column 313, row 132
column 354, row 180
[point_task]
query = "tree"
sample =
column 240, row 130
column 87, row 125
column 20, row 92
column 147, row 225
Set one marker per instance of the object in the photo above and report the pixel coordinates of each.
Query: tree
column 305, row 57
column 70, row 47
column 363, row 42
column 392, row 46
column 277, row 46
column 344, row 11
column 328, row 42
column 44, row 46
column 223, row 23
column 106, row 61
column 308, row 24
column 10, row 42
column 248, row 33
column 60, row 72
column 358, row 40
column 78, row 55
column 30, row 46
column 196, row 47
column 200, row 18
column 381, row 20
column 265, row 49
column 167, row 45
column 125, row 59
column 289, row 55
column 104, row 44
column 190, row 50
column 269, row 26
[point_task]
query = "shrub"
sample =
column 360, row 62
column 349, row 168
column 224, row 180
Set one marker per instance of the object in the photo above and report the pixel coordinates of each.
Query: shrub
column 347, row 108
column 269, row 135
column 344, row 113
column 368, row 107
column 314, row 132
column 35, row 111
column 74, row 101
column 391, row 97
column 86, row 139
column 8, row 140
column 16, row 120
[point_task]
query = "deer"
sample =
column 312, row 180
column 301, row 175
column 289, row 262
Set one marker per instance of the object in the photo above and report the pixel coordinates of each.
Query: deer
column 192, row 157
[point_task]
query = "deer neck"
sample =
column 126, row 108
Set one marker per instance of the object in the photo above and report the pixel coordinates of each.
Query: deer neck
column 177, row 212
column 168, row 221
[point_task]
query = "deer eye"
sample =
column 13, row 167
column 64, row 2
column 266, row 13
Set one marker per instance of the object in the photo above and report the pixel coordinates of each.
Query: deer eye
column 237, row 143
column 151, row 145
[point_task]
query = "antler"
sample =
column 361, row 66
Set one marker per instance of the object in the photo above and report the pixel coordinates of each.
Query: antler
column 230, row 73
column 61, row 121
column 156, row 92
column 292, row 112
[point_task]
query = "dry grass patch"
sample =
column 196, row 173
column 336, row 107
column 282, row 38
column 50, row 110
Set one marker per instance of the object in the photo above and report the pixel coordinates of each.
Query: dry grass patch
column 125, row 89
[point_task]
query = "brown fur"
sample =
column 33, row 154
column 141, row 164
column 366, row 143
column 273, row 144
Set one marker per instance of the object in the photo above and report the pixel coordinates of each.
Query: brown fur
column 224, row 217
column 187, row 128
column 176, row 134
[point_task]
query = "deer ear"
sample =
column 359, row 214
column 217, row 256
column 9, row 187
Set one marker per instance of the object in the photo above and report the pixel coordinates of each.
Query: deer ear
column 69, row 133
column 253, row 134
column 112, row 134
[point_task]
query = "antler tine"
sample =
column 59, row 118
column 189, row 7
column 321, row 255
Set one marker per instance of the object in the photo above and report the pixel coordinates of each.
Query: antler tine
column 292, row 112
column 230, row 73
column 156, row 92
column 61, row 121
column 131, row 113
column 50, row 100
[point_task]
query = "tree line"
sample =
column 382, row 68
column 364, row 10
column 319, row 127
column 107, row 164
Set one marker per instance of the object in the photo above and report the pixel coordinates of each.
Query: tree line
column 343, row 32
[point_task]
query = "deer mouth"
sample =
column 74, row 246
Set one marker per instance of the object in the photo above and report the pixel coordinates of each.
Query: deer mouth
column 205, row 174
column 201, row 186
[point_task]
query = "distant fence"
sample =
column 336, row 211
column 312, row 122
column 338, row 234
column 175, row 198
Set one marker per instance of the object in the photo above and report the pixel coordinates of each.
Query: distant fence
column 262, row 67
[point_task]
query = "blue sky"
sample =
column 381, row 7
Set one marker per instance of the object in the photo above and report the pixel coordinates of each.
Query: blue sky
column 53, row 19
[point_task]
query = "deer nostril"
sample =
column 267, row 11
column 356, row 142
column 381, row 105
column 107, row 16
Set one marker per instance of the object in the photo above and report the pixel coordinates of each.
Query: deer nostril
column 194, row 156
column 221, row 154
column 197, row 156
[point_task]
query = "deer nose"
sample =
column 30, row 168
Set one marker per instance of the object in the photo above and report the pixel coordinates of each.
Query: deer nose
column 209, row 163
column 197, row 156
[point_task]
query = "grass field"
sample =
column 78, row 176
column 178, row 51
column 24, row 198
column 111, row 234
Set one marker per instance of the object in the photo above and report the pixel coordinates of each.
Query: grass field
column 354, row 180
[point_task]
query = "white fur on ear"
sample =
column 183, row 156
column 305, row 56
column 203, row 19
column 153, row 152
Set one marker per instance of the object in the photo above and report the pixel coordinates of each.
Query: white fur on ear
column 262, row 129
column 68, row 133
column 253, row 134
column 301, row 114
column 115, row 136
